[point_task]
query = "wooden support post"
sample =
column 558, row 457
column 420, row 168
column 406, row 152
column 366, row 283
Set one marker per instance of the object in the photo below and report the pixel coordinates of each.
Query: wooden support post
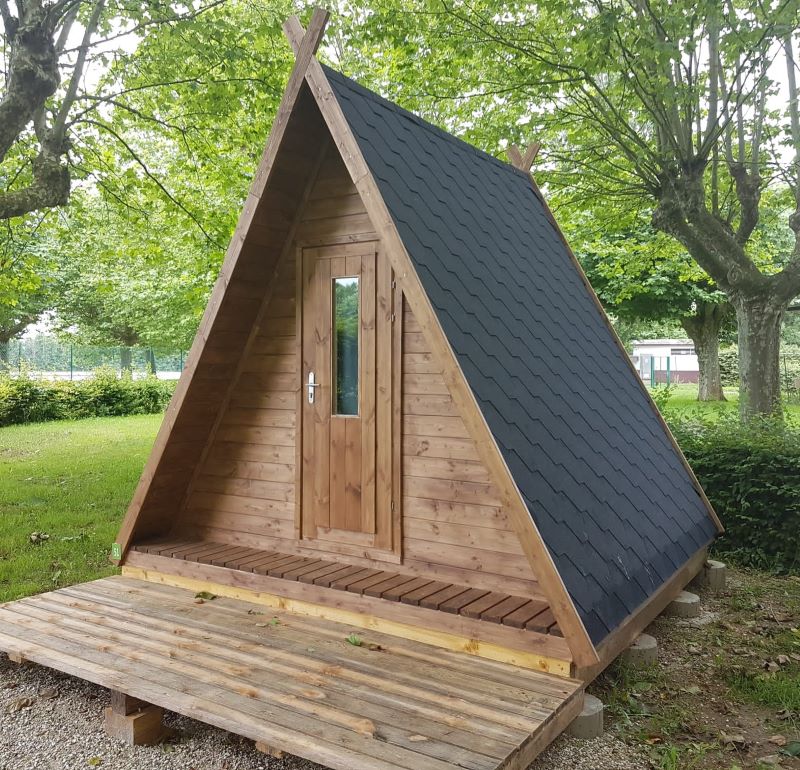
column 125, row 704
column 270, row 751
column 17, row 657
column 133, row 721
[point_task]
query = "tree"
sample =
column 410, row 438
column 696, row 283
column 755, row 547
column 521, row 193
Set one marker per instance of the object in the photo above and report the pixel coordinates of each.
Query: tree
column 642, row 275
column 47, row 105
column 25, row 281
column 127, row 277
column 671, row 102
column 163, row 172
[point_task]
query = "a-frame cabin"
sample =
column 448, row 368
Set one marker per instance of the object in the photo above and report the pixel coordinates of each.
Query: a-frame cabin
column 405, row 412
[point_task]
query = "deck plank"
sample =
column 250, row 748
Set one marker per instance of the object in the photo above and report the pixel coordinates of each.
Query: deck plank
column 385, row 584
column 293, row 682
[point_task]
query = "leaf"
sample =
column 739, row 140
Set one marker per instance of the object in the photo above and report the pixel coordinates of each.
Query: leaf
column 792, row 749
column 205, row 596
column 18, row 704
column 95, row 762
column 355, row 640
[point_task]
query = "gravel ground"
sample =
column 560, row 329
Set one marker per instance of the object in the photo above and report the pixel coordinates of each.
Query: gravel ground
column 50, row 721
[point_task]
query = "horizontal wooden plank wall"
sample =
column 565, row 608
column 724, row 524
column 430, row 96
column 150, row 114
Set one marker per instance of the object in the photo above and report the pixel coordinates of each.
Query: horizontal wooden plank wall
column 245, row 493
column 453, row 519
column 454, row 526
column 228, row 321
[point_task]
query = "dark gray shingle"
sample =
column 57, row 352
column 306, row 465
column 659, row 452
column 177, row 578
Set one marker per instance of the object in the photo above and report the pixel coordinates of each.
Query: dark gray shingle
column 612, row 500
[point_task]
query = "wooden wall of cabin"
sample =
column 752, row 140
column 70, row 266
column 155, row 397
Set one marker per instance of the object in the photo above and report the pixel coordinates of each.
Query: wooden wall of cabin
column 221, row 339
column 244, row 493
column 454, row 523
column 454, row 526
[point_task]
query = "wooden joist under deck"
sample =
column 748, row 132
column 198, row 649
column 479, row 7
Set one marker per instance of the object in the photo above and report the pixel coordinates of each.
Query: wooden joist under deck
column 531, row 614
column 294, row 682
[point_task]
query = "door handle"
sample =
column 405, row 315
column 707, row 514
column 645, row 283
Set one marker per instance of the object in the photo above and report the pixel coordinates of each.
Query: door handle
column 311, row 386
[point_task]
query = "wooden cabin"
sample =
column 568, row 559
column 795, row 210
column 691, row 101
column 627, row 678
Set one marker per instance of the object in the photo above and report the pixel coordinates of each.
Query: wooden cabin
column 406, row 415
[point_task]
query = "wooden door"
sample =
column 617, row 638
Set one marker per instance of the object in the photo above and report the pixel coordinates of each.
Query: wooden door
column 346, row 397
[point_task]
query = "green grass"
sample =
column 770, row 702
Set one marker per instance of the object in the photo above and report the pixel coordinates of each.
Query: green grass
column 683, row 401
column 73, row 481
column 779, row 691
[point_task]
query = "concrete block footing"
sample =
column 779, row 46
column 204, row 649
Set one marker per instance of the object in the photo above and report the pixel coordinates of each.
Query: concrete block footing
column 642, row 653
column 589, row 723
column 712, row 576
column 684, row 605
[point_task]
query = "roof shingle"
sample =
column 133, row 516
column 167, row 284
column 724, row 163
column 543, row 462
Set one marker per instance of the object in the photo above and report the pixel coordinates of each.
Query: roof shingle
column 610, row 496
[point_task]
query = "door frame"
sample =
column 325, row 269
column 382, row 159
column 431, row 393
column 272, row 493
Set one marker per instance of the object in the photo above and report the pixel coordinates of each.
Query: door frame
column 386, row 544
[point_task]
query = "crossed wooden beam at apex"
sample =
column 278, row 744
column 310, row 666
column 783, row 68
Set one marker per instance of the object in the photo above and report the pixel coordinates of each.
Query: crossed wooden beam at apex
column 305, row 43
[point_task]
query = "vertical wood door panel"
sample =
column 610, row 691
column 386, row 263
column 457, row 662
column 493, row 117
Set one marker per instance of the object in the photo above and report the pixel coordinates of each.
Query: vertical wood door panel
column 342, row 499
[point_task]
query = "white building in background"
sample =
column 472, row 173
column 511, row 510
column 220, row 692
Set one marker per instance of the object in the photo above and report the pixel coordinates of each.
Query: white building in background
column 660, row 361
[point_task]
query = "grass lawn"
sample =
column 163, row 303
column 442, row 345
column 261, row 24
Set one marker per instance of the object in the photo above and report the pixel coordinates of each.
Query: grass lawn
column 72, row 481
column 684, row 401
column 726, row 692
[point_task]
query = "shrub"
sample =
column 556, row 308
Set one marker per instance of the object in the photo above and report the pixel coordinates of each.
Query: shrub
column 789, row 367
column 729, row 366
column 751, row 474
column 26, row 400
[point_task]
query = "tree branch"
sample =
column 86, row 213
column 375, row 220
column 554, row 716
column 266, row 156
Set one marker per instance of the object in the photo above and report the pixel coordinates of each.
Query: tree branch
column 48, row 188
column 9, row 21
column 152, row 177
column 33, row 78
column 59, row 125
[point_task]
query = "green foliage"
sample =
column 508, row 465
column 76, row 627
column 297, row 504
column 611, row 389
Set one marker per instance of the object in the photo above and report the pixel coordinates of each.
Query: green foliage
column 789, row 363
column 779, row 690
column 24, row 400
column 751, row 474
column 662, row 394
column 729, row 366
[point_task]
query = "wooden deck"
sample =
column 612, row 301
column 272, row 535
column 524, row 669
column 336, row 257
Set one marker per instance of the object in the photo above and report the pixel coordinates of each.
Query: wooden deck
column 294, row 682
column 479, row 604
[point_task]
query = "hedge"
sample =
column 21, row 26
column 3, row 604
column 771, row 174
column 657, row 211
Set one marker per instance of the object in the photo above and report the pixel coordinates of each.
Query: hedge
column 751, row 474
column 789, row 367
column 23, row 399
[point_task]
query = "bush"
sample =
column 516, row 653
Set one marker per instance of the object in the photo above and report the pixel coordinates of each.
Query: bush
column 789, row 367
column 103, row 395
column 729, row 366
column 751, row 474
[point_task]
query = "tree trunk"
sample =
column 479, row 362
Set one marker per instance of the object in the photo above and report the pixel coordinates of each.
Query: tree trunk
column 125, row 359
column 703, row 329
column 759, row 319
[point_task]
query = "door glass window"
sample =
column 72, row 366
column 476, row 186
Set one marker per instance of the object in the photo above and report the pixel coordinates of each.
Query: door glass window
column 345, row 345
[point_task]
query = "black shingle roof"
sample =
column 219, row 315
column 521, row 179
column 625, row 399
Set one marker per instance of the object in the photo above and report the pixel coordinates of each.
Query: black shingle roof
column 614, row 503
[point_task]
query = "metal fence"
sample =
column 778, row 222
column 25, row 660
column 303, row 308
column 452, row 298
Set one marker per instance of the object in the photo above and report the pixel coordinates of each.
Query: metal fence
column 45, row 357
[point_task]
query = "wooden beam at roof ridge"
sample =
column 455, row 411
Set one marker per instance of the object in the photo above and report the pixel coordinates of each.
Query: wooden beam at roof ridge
column 312, row 38
column 564, row 609
column 520, row 161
